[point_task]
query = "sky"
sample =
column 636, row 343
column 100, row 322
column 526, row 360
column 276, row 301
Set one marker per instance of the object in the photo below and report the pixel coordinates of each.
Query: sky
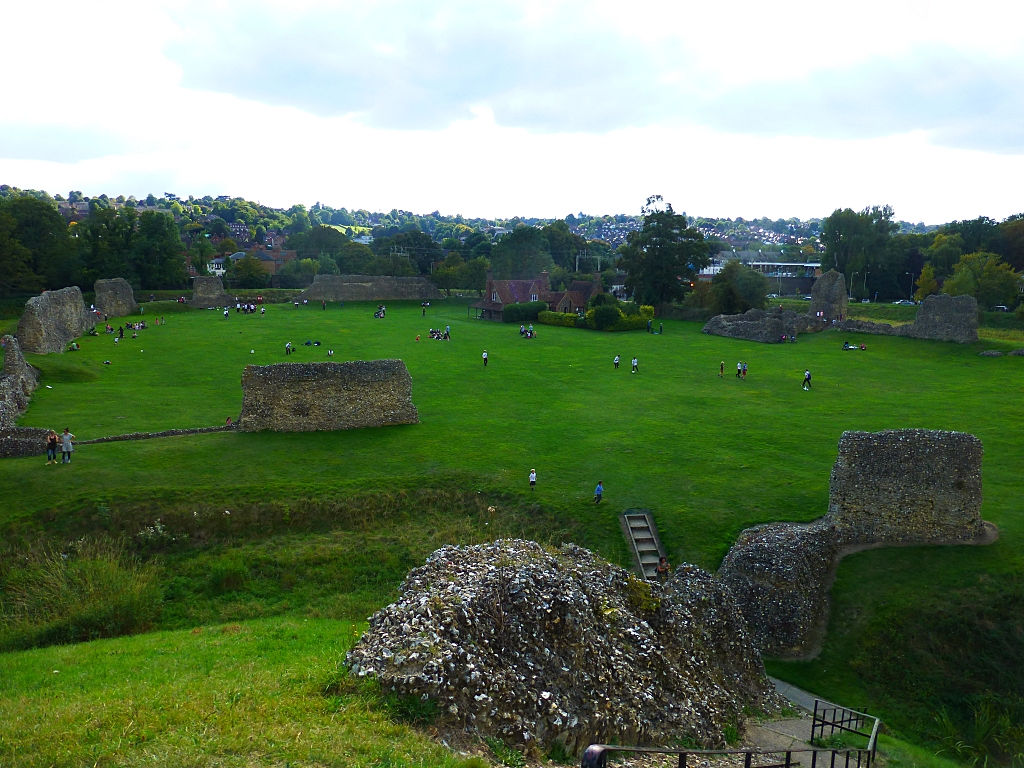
column 498, row 109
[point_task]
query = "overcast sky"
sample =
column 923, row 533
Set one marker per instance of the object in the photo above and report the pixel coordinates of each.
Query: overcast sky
column 497, row 109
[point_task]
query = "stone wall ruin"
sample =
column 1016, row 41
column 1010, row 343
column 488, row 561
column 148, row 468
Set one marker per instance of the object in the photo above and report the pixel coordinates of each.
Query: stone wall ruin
column 307, row 397
column 369, row 288
column 115, row 297
column 828, row 295
column 766, row 326
column 18, row 380
column 897, row 487
column 208, row 292
column 537, row 646
column 54, row 319
column 940, row 318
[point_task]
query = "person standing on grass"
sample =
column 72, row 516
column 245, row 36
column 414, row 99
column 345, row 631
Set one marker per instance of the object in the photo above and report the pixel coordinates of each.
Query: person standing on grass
column 744, row 371
column 485, row 358
column 51, row 447
column 598, row 492
column 739, row 370
column 661, row 328
column 636, row 365
column 66, row 446
column 807, row 379
column 533, row 479
column 616, row 361
column 721, row 370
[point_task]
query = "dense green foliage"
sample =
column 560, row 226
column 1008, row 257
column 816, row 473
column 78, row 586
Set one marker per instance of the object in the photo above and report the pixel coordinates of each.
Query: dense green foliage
column 523, row 313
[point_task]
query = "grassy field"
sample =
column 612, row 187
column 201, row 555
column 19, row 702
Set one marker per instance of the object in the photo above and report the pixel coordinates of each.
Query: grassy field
column 710, row 456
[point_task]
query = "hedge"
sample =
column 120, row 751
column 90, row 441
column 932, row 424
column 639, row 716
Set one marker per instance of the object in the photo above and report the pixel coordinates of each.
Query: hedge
column 564, row 319
column 523, row 313
column 635, row 322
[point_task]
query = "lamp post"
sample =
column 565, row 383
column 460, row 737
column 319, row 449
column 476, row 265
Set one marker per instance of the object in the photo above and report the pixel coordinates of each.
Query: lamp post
column 865, row 282
column 854, row 275
column 910, row 294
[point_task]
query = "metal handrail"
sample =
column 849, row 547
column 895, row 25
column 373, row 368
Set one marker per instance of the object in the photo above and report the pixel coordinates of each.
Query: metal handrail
column 596, row 755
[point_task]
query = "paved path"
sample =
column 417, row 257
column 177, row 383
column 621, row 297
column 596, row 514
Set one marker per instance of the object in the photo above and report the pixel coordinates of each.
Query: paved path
column 788, row 733
column 797, row 696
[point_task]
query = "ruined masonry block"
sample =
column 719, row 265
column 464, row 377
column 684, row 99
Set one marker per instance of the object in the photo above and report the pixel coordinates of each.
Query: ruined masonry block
column 208, row 292
column 940, row 318
column 828, row 295
column 306, row 397
column 115, row 297
column 51, row 321
column 17, row 382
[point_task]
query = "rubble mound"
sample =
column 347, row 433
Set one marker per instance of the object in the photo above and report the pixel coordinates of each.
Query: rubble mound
column 991, row 353
column 756, row 325
column 1017, row 353
column 538, row 646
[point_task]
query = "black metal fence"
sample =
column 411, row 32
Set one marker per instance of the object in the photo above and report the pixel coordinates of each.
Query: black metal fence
column 826, row 716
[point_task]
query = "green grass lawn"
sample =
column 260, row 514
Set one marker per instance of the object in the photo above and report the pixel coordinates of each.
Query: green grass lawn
column 710, row 456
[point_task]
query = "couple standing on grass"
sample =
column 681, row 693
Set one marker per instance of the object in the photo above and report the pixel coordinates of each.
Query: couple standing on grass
column 66, row 442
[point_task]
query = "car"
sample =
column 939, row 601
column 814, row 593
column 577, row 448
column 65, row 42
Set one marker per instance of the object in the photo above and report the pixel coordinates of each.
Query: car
column 904, row 303
column 1001, row 308
column 865, row 301
column 773, row 295
column 807, row 298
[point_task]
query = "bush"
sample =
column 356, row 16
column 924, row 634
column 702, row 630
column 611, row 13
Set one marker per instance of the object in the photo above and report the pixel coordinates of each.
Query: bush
column 94, row 589
column 523, row 313
column 564, row 319
column 606, row 316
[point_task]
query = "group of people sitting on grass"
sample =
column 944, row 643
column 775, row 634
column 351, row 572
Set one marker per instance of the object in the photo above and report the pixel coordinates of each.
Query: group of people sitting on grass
column 381, row 311
column 290, row 350
column 848, row 345
column 790, row 339
column 438, row 335
column 527, row 333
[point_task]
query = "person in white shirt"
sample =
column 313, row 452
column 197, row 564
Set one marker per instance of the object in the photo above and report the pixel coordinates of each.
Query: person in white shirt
column 636, row 365
column 485, row 358
column 616, row 361
column 533, row 479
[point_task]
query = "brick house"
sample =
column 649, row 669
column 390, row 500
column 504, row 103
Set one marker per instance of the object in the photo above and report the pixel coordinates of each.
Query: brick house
column 501, row 292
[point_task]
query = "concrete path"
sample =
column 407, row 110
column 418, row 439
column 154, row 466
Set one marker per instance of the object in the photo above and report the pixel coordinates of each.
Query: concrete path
column 797, row 696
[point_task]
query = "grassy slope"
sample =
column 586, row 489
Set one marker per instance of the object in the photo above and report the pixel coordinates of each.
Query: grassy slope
column 262, row 693
column 709, row 456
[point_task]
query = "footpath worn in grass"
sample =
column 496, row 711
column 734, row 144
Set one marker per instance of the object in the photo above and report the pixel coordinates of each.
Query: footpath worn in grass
column 710, row 456
column 267, row 692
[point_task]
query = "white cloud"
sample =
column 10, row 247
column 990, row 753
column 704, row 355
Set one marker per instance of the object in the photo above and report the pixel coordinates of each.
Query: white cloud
column 732, row 108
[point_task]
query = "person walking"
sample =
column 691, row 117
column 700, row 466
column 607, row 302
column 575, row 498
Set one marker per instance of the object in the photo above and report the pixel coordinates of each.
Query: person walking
column 288, row 349
column 66, row 446
column 51, row 447
column 636, row 365
column 324, row 302
column 721, row 370
column 739, row 370
column 598, row 492
column 649, row 326
column 807, row 379
column 744, row 371
column 616, row 361
column 485, row 358
column 533, row 479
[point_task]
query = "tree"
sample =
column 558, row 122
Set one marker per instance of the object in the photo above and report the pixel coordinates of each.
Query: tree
column 39, row 228
column 200, row 254
column 563, row 245
column 227, row 246
column 986, row 277
column 662, row 254
column 522, row 253
column 473, row 274
column 858, row 244
column 413, row 244
column 446, row 274
column 319, row 239
column 737, row 288
column 1013, row 241
column 926, row 283
column 157, row 254
column 249, row 273
column 944, row 252
column 16, row 275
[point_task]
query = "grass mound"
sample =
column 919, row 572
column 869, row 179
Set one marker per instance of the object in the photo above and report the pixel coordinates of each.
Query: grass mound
column 90, row 589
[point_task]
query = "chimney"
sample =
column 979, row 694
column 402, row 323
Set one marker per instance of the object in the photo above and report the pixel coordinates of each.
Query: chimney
column 545, row 280
column 490, row 275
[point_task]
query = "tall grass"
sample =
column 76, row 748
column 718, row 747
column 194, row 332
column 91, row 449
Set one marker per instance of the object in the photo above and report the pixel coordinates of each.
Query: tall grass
column 91, row 589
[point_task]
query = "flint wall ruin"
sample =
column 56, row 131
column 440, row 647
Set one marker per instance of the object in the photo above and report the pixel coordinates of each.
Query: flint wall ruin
column 906, row 486
column 53, row 320
column 940, row 318
column 208, row 292
column 308, row 397
column 369, row 288
column 115, row 297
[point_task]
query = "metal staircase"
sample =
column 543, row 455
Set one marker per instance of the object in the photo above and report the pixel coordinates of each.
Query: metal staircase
column 642, row 538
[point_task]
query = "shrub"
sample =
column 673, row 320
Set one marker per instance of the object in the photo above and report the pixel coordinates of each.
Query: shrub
column 94, row 589
column 606, row 316
column 564, row 319
column 523, row 313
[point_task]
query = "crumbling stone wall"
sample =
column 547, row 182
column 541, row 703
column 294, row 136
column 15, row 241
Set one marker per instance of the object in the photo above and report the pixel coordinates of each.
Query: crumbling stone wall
column 941, row 318
column 756, row 325
column 306, row 397
column 22, row 441
column 905, row 486
column 369, row 288
column 828, row 295
column 115, row 297
column 17, row 382
column 537, row 646
column 51, row 321
column 209, row 292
